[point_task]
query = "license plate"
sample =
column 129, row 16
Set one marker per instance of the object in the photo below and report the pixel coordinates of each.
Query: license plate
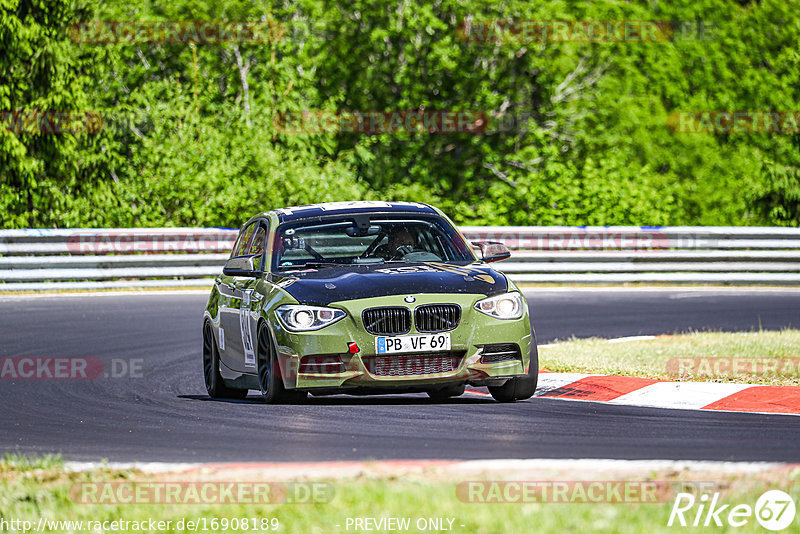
column 416, row 343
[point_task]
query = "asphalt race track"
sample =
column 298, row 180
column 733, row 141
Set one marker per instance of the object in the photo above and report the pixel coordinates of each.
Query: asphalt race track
column 165, row 414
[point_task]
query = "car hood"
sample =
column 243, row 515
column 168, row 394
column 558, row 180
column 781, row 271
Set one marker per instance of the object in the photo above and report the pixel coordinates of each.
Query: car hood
column 330, row 284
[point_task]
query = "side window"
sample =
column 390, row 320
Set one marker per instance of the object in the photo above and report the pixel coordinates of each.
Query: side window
column 243, row 242
column 257, row 245
column 259, row 241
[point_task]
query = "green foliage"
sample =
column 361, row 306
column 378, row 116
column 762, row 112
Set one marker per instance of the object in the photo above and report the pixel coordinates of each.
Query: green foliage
column 577, row 133
column 41, row 71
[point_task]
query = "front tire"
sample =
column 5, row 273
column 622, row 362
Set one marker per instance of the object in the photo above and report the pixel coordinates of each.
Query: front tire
column 269, row 372
column 520, row 387
column 215, row 385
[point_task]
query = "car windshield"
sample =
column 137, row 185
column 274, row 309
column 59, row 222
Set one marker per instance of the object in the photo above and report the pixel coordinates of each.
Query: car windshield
column 378, row 240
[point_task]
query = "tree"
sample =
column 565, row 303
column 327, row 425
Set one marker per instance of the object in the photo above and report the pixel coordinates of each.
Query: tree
column 42, row 76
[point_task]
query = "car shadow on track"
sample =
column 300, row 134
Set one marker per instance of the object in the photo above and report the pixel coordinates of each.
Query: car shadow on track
column 252, row 399
column 347, row 400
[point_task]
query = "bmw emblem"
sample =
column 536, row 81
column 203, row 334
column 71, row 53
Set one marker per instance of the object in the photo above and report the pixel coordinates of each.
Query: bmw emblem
column 410, row 299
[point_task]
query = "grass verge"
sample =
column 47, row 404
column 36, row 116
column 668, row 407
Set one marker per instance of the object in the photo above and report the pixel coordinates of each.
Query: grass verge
column 763, row 357
column 34, row 489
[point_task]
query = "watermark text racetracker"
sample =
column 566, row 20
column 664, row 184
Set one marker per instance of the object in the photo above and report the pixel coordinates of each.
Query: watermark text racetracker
column 133, row 241
column 574, row 491
column 69, row 368
column 319, row 121
column 734, row 122
column 201, row 492
column 27, row 121
column 722, row 367
column 590, row 239
column 198, row 524
column 187, row 31
column 582, row 31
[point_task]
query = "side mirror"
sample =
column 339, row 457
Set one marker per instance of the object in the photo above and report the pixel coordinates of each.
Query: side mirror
column 492, row 251
column 241, row 266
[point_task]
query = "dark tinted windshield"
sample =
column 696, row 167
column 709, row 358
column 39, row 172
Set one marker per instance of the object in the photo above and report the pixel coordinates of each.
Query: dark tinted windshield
column 379, row 240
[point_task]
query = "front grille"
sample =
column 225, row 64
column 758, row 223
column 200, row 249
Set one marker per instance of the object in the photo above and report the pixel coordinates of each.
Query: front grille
column 424, row 363
column 437, row 317
column 500, row 352
column 387, row 321
column 321, row 364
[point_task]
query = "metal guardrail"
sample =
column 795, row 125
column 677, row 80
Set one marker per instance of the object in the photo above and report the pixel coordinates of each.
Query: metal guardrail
column 43, row 259
column 186, row 257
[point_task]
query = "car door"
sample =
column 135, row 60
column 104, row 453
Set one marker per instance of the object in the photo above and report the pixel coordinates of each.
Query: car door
column 251, row 298
column 231, row 290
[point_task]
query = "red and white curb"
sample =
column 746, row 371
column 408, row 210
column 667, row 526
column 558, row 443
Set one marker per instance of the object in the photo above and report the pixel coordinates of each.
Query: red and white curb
column 635, row 391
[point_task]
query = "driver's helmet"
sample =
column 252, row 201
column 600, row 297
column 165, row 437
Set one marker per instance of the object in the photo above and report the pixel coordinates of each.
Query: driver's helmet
column 400, row 236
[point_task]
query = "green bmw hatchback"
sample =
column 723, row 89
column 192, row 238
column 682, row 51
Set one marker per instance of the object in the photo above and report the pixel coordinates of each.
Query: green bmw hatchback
column 364, row 298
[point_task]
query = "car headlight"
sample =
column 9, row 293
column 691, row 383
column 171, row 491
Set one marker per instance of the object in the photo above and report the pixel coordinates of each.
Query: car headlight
column 505, row 306
column 301, row 318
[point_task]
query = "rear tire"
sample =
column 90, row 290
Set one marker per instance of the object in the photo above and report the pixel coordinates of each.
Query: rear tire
column 215, row 385
column 269, row 373
column 446, row 392
column 520, row 387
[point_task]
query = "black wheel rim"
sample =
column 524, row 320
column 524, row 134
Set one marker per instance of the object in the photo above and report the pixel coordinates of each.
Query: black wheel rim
column 264, row 360
column 208, row 357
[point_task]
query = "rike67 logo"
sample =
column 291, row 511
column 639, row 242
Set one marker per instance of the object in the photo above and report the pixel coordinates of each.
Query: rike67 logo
column 774, row 510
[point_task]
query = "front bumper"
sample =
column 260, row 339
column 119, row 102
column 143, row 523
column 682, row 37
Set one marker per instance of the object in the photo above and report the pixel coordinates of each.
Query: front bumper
column 475, row 330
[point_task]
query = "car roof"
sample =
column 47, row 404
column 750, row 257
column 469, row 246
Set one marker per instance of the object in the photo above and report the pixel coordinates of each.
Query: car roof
column 310, row 211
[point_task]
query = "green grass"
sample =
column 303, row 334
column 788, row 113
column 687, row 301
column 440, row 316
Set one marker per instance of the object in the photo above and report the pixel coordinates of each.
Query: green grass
column 13, row 463
column 30, row 489
column 693, row 356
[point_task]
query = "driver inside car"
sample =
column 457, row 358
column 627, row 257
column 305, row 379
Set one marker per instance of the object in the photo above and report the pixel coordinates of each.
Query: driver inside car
column 401, row 242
